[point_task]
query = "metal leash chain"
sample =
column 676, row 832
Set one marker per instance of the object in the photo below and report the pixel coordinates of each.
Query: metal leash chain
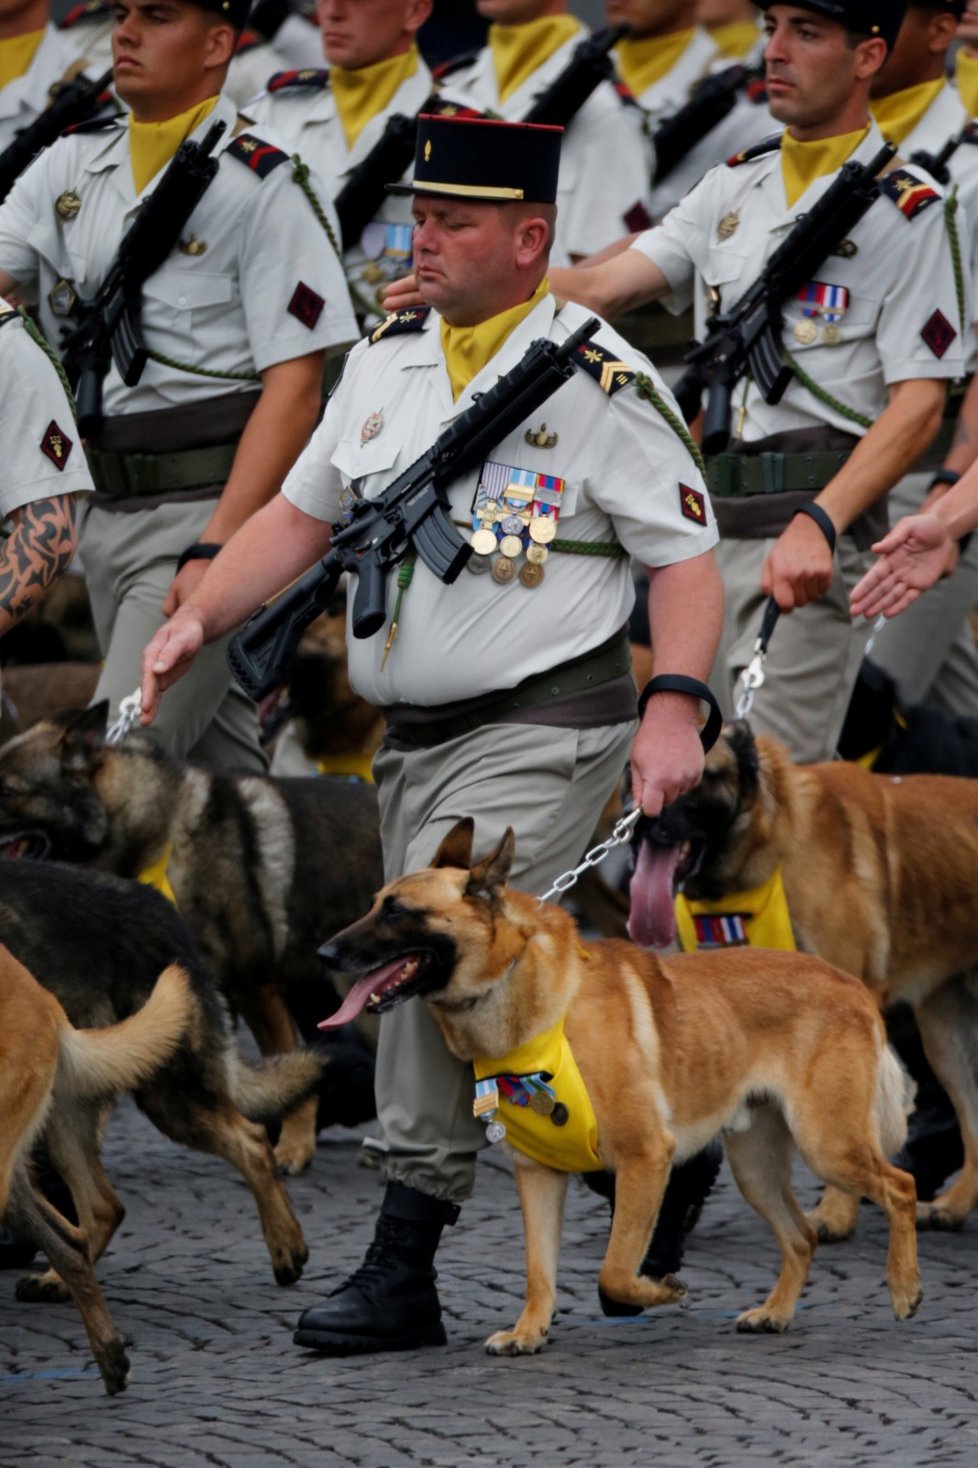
column 129, row 710
column 619, row 837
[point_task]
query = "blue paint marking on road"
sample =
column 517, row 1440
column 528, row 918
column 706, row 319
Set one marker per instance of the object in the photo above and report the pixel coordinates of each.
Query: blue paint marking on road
column 55, row 1374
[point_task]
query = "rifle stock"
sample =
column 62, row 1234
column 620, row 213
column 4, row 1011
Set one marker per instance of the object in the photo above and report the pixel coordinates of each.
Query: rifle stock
column 587, row 68
column 711, row 102
column 77, row 101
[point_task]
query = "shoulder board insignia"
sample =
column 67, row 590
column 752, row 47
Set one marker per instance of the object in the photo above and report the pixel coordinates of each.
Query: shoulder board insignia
column 756, row 91
column 94, row 124
column 438, row 107
column 295, row 81
column 970, row 133
column 260, row 157
column 625, row 94
column 247, row 41
column 88, row 10
column 759, row 150
column 610, row 374
column 452, row 65
column 910, row 194
column 307, row 9
column 400, row 323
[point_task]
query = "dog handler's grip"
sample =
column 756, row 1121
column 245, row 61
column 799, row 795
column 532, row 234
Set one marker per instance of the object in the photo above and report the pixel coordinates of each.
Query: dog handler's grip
column 679, row 683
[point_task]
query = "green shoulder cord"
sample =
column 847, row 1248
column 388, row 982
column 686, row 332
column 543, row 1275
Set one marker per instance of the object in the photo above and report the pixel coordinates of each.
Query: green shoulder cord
column 36, row 335
column 647, row 390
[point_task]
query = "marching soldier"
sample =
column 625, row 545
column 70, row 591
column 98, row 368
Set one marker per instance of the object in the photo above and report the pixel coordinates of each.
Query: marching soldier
column 508, row 695
column 873, row 342
column 35, row 56
column 236, row 321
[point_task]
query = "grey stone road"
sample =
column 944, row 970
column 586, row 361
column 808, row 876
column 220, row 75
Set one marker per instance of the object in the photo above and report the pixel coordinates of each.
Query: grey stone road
column 217, row 1381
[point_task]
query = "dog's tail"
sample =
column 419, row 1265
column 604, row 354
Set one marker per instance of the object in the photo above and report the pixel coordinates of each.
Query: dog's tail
column 265, row 1090
column 894, row 1102
column 98, row 1064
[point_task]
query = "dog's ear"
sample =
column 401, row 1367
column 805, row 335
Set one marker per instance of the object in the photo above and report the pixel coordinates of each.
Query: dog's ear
column 84, row 732
column 456, row 849
column 488, row 877
column 740, row 737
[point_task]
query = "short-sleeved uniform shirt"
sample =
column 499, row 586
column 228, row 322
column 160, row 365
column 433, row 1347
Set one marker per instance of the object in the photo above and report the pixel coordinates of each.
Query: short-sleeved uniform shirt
column 252, row 283
column 888, row 296
column 616, row 470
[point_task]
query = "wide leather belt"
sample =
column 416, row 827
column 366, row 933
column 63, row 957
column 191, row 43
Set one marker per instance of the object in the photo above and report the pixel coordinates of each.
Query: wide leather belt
column 125, row 476
column 770, row 473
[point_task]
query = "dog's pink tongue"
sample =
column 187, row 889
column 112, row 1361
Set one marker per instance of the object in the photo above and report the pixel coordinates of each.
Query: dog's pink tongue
column 360, row 993
column 652, row 918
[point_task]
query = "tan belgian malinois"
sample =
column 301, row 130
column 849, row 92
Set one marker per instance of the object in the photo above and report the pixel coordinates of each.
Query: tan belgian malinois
column 762, row 1047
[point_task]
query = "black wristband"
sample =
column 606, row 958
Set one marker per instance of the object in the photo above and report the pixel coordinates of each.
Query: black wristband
column 945, row 476
column 204, row 550
column 822, row 520
column 679, row 683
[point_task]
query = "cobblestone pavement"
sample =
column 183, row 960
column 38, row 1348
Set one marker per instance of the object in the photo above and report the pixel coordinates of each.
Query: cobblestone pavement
column 217, row 1381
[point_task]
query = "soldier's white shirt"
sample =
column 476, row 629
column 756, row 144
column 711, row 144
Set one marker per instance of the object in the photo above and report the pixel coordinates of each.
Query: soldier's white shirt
column 747, row 123
column 25, row 98
column 41, row 452
column 901, row 320
column 944, row 117
column 604, row 169
column 625, row 471
column 265, row 288
column 306, row 115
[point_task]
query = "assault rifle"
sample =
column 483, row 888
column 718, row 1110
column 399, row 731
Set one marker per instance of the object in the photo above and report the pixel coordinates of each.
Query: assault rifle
column 365, row 189
column 712, row 101
column 936, row 163
column 110, row 324
column 74, row 102
column 589, row 66
column 748, row 338
column 412, row 513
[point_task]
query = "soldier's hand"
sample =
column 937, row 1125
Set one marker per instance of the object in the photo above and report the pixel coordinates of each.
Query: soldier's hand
column 799, row 568
column 667, row 754
column 402, row 294
column 183, row 585
column 167, row 657
column 911, row 558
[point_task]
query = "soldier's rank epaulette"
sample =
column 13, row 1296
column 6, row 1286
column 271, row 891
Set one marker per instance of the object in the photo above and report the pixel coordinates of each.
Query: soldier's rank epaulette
column 307, row 79
column 911, row 195
column 452, row 65
column 756, row 91
column 94, row 124
column 440, row 107
column 610, row 374
column 400, row 323
column 247, row 41
column 759, row 150
column 260, row 157
column 970, row 134
column 88, row 10
column 625, row 94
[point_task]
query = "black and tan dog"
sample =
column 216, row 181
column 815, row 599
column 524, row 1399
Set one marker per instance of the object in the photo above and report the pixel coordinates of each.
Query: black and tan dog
column 50, row 1073
column 880, row 874
column 763, row 1047
column 262, row 870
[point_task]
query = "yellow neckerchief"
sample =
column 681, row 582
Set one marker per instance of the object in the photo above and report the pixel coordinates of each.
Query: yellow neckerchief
column 898, row 114
column 803, row 163
column 361, row 94
column 647, row 60
column 966, row 78
column 153, row 144
column 16, row 55
column 572, row 1147
column 348, row 766
column 467, row 349
column 155, row 875
column 737, row 39
column 518, row 50
column 759, row 918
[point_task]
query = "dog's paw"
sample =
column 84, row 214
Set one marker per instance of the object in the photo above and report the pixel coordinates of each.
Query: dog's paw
column 936, row 1216
column 632, row 1296
column 516, row 1342
column 906, row 1299
column 831, row 1225
column 44, row 1289
column 761, row 1321
column 292, row 1157
column 113, row 1363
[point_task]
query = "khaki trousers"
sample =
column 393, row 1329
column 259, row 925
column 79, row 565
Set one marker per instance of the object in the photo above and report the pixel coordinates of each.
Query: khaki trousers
column 550, row 785
column 129, row 560
column 813, row 657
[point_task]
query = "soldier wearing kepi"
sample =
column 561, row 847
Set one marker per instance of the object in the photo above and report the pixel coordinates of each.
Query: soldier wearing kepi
column 236, row 322
column 872, row 340
column 508, row 694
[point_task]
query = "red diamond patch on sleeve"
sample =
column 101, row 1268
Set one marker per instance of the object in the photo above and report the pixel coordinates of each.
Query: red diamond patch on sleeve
column 637, row 218
column 938, row 334
column 56, row 445
column 693, row 504
column 306, row 306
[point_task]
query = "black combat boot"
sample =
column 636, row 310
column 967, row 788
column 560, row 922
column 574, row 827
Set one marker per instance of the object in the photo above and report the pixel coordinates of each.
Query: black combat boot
column 390, row 1303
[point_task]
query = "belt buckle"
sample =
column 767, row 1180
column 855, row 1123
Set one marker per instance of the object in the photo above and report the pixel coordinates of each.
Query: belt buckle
column 772, row 472
column 141, row 472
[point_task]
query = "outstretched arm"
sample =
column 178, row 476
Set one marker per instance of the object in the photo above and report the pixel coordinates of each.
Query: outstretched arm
column 915, row 553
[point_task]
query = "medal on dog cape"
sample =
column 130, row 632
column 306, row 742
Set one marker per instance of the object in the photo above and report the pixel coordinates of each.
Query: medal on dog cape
column 484, row 1108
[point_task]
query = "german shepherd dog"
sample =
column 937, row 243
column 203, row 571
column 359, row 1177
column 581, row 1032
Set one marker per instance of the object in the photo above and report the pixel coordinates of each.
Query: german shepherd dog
column 97, row 943
column 762, row 1047
column 262, row 870
column 50, row 1074
column 880, row 874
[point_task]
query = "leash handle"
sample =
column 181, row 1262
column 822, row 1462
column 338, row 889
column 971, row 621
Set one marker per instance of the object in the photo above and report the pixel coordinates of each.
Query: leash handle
column 680, row 683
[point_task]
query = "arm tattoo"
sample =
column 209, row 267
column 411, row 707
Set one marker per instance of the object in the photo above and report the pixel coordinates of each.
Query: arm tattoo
column 40, row 546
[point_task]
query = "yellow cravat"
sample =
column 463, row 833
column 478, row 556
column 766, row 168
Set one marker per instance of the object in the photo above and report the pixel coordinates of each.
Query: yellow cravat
column 762, row 914
column 644, row 62
column 517, row 50
column 16, row 55
column 361, row 94
column 897, row 115
column 153, row 144
column 966, row 76
column 737, row 39
column 803, row 163
column 467, row 349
